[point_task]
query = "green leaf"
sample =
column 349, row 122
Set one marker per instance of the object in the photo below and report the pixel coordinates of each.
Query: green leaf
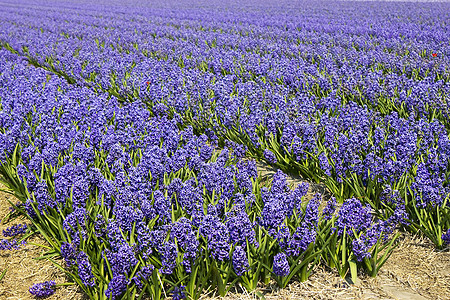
column 3, row 274
column 353, row 270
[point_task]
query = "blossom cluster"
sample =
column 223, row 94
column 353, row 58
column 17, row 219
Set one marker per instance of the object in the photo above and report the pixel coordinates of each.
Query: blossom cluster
column 15, row 230
column 44, row 289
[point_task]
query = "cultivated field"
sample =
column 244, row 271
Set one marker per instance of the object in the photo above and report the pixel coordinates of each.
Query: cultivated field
column 203, row 149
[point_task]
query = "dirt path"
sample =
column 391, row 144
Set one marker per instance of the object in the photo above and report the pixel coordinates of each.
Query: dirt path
column 415, row 271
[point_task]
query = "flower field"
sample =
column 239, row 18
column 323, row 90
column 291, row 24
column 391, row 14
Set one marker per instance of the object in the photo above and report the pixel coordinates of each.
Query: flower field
column 130, row 134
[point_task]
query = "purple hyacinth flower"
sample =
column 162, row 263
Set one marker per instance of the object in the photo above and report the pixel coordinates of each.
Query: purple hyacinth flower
column 69, row 254
column 281, row 265
column 240, row 261
column 116, row 286
column 15, row 230
column 179, row 293
column 270, row 157
column 10, row 245
column 44, row 289
column 360, row 249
